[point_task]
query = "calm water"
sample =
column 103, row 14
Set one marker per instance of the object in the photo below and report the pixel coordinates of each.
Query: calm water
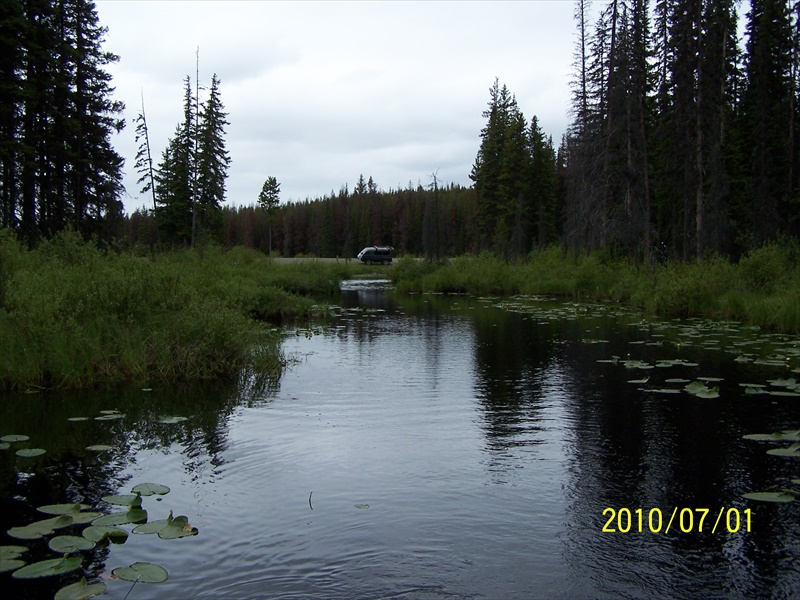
column 435, row 447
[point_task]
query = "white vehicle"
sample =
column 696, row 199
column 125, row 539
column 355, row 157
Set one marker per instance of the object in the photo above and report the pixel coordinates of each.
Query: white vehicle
column 376, row 254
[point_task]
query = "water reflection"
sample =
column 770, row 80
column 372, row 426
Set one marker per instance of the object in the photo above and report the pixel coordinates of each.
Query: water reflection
column 433, row 447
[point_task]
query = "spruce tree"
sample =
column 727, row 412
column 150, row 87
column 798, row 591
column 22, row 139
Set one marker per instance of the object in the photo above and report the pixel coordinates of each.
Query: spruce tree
column 212, row 161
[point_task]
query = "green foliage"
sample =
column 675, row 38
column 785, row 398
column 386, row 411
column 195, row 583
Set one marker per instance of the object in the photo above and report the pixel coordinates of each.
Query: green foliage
column 708, row 288
column 75, row 316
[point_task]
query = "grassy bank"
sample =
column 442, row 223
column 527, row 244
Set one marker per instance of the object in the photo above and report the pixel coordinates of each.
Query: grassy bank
column 762, row 289
column 72, row 315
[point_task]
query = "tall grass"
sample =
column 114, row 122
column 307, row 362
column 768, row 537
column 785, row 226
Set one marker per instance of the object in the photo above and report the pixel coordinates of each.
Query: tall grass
column 72, row 315
column 762, row 289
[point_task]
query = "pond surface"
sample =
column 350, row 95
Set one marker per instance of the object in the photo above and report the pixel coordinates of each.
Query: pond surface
column 439, row 447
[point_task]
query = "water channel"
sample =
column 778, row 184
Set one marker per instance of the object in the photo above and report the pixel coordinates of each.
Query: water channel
column 435, row 447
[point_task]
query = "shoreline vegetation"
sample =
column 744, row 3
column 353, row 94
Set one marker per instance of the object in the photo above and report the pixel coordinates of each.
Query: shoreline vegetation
column 762, row 289
column 73, row 315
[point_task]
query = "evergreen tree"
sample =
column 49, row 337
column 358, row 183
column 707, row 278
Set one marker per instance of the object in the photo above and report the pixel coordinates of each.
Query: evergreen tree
column 212, row 160
column 175, row 178
column 768, row 113
column 268, row 199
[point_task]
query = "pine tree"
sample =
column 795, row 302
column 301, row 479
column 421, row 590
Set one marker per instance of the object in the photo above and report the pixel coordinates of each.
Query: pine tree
column 768, row 113
column 175, row 179
column 268, row 199
column 212, row 160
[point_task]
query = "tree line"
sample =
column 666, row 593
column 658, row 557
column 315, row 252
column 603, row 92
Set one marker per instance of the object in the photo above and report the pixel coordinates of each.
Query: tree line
column 58, row 168
column 684, row 142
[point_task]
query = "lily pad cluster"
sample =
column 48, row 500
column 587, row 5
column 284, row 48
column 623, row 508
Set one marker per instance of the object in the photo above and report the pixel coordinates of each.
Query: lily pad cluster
column 101, row 527
column 778, row 493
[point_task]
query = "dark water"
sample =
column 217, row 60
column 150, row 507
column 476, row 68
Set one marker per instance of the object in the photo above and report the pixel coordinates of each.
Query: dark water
column 436, row 447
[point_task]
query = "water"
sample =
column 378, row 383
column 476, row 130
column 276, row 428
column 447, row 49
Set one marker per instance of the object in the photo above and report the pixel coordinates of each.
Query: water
column 435, row 447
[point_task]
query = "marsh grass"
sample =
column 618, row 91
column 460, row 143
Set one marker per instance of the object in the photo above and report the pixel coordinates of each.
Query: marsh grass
column 72, row 315
column 762, row 289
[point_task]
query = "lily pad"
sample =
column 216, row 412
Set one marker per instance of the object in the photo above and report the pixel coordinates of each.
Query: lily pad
column 135, row 515
column 14, row 438
column 80, row 590
column 361, row 506
column 10, row 564
column 645, row 380
column 134, row 500
column 40, row 529
column 4, row 445
column 31, row 452
column 170, row 420
column 77, row 419
column 99, row 447
column 110, row 417
column 149, row 489
column 792, row 451
column 62, row 509
column 788, row 435
column 769, row 496
column 177, row 528
column 48, row 568
column 69, row 544
column 142, row 572
column 9, row 558
column 98, row 533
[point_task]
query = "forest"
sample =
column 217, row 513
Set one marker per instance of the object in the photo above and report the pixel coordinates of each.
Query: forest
column 684, row 142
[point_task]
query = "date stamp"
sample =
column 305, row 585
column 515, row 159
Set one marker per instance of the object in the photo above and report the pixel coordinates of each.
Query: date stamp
column 683, row 520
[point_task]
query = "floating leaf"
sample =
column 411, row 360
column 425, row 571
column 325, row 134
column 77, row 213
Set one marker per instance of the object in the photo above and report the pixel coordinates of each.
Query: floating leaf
column 151, row 527
column 39, row 529
column 14, row 438
column 769, row 496
column 31, row 452
column 793, row 451
column 645, row 380
column 98, row 533
column 708, row 394
column 62, row 509
column 10, row 564
column 677, row 380
column 76, row 419
column 9, row 558
column 112, row 411
column 99, row 447
column 788, row 435
column 170, row 420
column 177, row 528
column 142, row 572
column 48, row 568
column 4, row 445
column 710, row 379
column 361, row 506
column 69, row 544
column 109, row 417
column 148, row 489
column 12, row 551
column 664, row 391
column 135, row 515
column 134, row 500
column 80, row 590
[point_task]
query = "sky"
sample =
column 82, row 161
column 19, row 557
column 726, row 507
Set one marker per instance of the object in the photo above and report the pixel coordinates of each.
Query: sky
column 318, row 93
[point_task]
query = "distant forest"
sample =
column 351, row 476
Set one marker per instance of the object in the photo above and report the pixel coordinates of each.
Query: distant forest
column 684, row 142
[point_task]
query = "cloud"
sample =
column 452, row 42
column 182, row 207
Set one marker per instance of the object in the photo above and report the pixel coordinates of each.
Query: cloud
column 320, row 92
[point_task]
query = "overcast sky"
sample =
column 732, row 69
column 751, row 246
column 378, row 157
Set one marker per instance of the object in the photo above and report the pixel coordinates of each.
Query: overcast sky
column 320, row 92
